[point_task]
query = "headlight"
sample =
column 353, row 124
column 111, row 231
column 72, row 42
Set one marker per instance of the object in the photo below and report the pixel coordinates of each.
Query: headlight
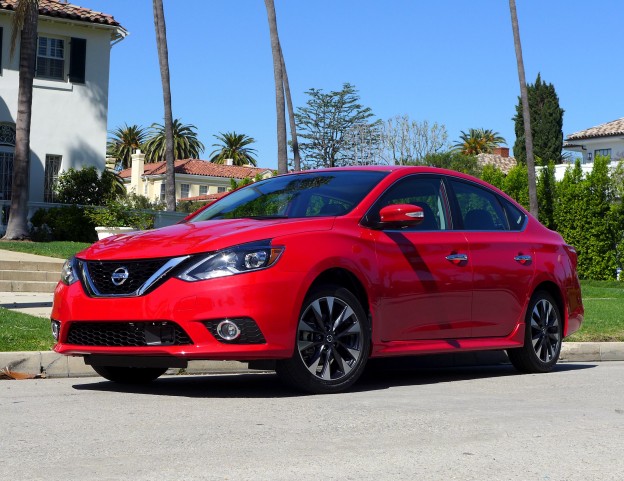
column 235, row 260
column 68, row 272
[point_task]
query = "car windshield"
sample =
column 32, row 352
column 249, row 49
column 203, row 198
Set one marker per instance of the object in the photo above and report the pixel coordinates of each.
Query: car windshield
column 313, row 194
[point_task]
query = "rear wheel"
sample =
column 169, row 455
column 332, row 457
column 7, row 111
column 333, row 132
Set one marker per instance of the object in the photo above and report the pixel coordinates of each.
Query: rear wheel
column 130, row 375
column 332, row 343
column 542, row 337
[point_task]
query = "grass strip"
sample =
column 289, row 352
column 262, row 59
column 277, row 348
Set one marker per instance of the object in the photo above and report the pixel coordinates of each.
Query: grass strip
column 60, row 249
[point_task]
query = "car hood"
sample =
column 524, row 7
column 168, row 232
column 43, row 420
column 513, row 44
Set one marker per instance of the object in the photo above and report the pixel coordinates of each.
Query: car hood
column 198, row 237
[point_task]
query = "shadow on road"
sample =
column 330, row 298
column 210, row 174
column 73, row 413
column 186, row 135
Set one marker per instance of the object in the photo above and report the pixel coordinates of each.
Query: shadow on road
column 379, row 375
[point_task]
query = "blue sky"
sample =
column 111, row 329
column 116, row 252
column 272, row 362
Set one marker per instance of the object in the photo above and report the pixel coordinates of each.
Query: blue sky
column 449, row 61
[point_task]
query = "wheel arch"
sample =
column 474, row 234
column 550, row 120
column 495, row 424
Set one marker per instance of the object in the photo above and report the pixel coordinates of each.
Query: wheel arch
column 553, row 289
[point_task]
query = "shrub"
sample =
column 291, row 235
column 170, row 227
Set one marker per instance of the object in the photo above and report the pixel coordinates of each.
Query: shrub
column 67, row 223
column 87, row 187
column 129, row 211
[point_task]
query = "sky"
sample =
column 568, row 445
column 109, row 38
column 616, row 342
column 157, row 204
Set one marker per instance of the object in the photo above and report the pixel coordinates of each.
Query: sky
column 446, row 61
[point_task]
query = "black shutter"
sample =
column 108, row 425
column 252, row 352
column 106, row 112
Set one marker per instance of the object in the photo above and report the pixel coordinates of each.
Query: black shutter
column 77, row 60
column 1, row 35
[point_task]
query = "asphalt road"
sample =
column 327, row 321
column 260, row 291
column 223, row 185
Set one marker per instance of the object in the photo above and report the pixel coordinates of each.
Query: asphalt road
column 482, row 423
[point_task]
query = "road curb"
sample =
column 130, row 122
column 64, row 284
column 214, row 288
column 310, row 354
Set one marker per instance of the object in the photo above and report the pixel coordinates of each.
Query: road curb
column 52, row 365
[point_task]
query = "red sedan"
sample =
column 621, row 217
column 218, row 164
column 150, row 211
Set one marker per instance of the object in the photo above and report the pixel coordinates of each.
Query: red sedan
column 320, row 271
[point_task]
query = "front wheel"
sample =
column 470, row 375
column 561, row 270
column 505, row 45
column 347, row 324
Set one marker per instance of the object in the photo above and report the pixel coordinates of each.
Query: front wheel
column 332, row 343
column 542, row 337
column 130, row 375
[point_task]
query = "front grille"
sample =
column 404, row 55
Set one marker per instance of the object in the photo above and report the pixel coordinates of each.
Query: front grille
column 250, row 332
column 100, row 275
column 127, row 334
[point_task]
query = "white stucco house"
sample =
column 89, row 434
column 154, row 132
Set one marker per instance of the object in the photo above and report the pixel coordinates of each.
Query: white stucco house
column 70, row 93
column 605, row 139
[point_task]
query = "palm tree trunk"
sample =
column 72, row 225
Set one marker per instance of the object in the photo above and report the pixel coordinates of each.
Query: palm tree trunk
column 282, row 156
column 291, row 116
column 163, row 60
column 17, row 227
column 526, row 114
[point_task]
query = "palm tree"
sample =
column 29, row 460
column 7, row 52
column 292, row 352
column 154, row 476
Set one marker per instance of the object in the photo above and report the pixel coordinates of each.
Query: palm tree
column 526, row 115
column 186, row 145
column 294, row 144
column 123, row 142
column 25, row 23
column 163, row 60
column 282, row 156
column 234, row 146
column 478, row 141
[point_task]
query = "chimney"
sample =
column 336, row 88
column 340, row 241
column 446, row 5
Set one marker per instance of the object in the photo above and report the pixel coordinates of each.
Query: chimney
column 502, row 151
column 136, row 179
column 229, row 161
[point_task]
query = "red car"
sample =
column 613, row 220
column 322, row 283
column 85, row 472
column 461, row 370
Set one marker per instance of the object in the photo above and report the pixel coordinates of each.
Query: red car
column 320, row 271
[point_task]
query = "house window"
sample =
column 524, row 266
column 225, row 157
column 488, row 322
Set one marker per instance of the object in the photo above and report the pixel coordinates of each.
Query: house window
column 6, row 174
column 162, row 192
column 51, row 58
column 203, row 190
column 52, row 168
column 602, row 153
column 220, row 190
column 184, row 190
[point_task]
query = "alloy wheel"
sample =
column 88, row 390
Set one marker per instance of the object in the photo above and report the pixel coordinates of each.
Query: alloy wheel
column 545, row 332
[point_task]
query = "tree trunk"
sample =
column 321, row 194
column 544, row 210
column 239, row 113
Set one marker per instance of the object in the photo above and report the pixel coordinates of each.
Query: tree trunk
column 17, row 227
column 163, row 60
column 526, row 114
column 291, row 116
column 282, row 156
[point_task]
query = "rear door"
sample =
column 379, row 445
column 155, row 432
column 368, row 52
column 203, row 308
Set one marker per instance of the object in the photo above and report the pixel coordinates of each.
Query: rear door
column 501, row 258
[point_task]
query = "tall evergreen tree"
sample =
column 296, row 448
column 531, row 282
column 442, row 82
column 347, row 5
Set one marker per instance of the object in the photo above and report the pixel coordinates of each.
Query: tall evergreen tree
column 546, row 124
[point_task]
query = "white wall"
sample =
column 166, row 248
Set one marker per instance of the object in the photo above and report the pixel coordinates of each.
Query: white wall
column 68, row 119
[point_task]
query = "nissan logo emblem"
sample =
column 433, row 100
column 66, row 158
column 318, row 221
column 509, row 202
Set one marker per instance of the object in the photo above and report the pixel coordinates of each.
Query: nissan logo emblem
column 119, row 276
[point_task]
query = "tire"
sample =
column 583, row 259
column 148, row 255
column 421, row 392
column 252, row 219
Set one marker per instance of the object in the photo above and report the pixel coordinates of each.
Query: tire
column 130, row 375
column 542, row 337
column 332, row 343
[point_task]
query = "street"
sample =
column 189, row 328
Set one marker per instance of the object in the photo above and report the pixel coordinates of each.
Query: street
column 477, row 423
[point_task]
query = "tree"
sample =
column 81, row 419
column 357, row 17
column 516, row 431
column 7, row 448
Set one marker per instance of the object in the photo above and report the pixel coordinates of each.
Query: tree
column 410, row 141
column 324, row 123
column 88, row 187
column 478, row 141
column 233, row 146
column 294, row 143
column 363, row 141
column 546, row 124
column 282, row 156
column 453, row 161
column 25, row 22
column 163, row 61
column 123, row 142
column 528, row 136
column 186, row 145
column 546, row 196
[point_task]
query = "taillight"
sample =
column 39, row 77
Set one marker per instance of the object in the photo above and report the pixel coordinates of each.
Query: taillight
column 572, row 254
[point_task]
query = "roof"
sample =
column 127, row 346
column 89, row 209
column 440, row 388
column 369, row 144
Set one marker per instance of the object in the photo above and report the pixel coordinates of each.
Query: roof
column 615, row 127
column 55, row 8
column 199, row 167
column 505, row 164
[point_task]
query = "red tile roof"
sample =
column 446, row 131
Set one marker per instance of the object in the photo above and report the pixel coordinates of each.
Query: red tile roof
column 615, row 127
column 205, row 197
column 199, row 167
column 54, row 8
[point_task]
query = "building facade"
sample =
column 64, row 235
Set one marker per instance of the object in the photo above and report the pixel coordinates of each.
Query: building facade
column 70, row 93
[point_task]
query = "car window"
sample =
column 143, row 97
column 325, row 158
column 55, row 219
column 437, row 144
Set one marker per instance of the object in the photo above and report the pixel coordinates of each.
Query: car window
column 515, row 216
column 423, row 191
column 479, row 208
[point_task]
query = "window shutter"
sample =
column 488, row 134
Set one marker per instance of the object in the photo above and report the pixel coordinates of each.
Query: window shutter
column 77, row 60
column 1, row 36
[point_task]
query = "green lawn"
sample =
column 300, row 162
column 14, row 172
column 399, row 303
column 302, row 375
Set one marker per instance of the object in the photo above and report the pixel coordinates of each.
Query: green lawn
column 604, row 321
column 21, row 332
column 59, row 249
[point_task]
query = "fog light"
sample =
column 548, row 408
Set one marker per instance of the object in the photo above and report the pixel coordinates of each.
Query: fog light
column 56, row 330
column 228, row 330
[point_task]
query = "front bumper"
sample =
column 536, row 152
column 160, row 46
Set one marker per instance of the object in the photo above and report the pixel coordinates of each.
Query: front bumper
column 191, row 305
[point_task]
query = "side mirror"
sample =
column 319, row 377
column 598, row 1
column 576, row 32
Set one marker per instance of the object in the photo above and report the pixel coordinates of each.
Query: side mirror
column 401, row 215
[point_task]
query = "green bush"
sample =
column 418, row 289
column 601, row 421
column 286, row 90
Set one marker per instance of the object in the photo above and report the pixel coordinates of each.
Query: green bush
column 189, row 206
column 129, row 211
column 88, row 187
column 67, row 223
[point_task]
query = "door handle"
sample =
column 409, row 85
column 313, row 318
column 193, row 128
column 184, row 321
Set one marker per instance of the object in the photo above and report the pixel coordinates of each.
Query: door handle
column 523, row 259
column 457, row 258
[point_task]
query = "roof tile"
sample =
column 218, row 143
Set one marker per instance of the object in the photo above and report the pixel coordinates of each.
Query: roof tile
column 55, row 8
column 199, row 167
column 615, row 127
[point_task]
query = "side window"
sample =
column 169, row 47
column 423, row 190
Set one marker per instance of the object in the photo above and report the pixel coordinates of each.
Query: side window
column 479, row 208
column 425, row 192
column 515, row 216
